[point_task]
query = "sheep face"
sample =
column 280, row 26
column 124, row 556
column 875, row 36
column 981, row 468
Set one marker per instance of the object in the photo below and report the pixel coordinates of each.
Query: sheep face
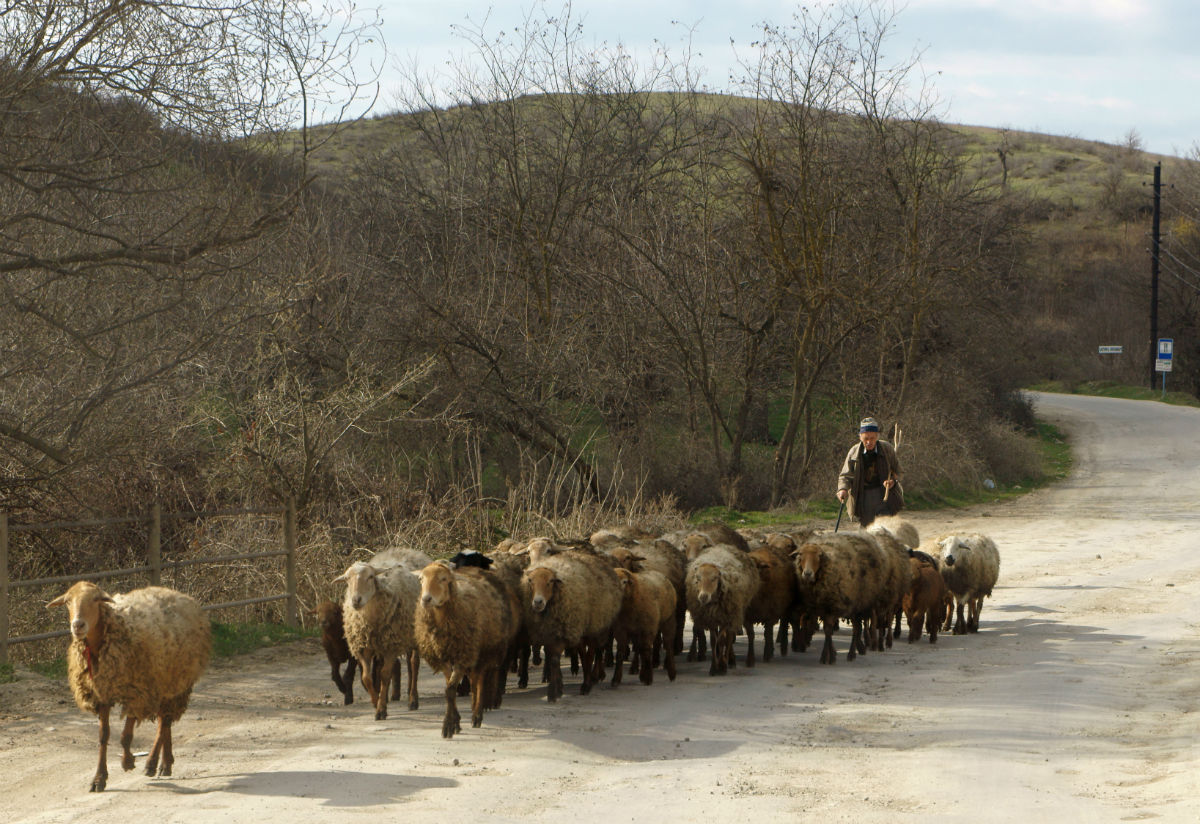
column 949, row 547
column 437, row 585
column 360, row 584
column 538, row 549
column 808, row 561
column 784, row 543
column 329, row 615
column 625, row 576
column 626, row 559
column 83, row 602
column 694, row 544
column 708, row 583
column 543, row 585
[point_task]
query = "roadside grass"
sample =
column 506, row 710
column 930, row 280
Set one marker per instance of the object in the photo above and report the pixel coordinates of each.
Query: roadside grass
column 1112, row 389
column 6, row 674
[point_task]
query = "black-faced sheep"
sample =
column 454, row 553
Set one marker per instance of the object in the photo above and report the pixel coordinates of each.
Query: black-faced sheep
column 840, row 575
column 378, row 615
column 647, row 621
column 144, row 650
column 465, row 624
column 570, row 601
column 774, row 603
column 721, row 582
column 333, row 641
column 970, row 565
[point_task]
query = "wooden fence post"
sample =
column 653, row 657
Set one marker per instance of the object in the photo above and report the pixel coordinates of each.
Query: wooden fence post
column 3, row 587
column 154, row 545
column 289, row 545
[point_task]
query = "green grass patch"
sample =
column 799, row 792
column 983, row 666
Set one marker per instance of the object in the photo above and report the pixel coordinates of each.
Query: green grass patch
column 236, row 639
column 55, row 668
column 6, row 674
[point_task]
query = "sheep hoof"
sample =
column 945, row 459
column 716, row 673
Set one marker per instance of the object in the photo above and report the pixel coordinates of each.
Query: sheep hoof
column 127, row 761
column 348, row 700
column 98, row 784
column 414, row 704
column 380, row 715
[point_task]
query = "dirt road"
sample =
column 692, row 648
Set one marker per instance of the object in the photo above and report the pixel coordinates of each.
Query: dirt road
column 1076, row 702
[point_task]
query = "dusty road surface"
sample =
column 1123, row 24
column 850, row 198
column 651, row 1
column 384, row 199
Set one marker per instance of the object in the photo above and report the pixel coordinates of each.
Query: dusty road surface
column 1076, row 702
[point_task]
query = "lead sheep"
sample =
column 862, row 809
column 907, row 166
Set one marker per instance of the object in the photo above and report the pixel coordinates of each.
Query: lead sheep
column 378, row 614
column 721, row 582
column 970, row 565
column 144, row 650
column 465, row 624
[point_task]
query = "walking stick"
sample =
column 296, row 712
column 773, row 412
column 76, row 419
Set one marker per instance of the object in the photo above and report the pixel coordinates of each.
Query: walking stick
column 841, row 509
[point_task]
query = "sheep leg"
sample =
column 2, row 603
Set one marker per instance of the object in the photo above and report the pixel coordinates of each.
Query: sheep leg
column 383, row 675
column 856, row 642
column 960, row 625
column 749, row 627
column 168, row 751
column 161, row 736
column 414, row 669
column 575, row 660
column 915, row 621
column 398, row 669
column 680, row 618
column 479, row 691
column 976, row 606
column 730, row 655
column 554, row 672
column 646, row 653
column 588, row 654
column 622, row 639
column 668, row 635
column 366, row 672
column 768, row 645
column 451, row 721
column 100, row 779
column 932, row 621
column 126, row 741
column 523, row 655
column 348, row 681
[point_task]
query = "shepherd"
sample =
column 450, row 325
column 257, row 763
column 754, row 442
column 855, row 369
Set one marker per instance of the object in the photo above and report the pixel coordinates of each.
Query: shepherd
column 869, row 482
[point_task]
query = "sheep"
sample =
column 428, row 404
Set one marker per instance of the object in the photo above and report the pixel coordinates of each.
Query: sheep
column 970, row 566
column 624, row 535
column 901, row 529
column 413, row 560
column 647, row 619
column 465, row 623
column 378, row 617
column 925, row 602
column 571, row 600
column 774, row 603
column 667, row 559
column 471, row 558
column 899, row 578
column 142, row 649
column 721, row 582
column 840, row 575
column 333, row 641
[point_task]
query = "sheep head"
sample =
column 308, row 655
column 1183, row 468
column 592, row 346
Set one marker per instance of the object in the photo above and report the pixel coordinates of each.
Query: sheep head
column 85, row 605
column 695, row 543
column 360, row 583
column 949, row 547
column 808, row 560
column 628, row 584
column 543, row 585
column 784, row 543
column 708, row 582
column 329, row 615
column 437, row 585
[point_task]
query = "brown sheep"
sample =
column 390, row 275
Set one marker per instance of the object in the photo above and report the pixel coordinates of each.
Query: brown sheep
column 925, row 603
column 840, row 575
column 333, row 641
column 647, row 620
column 666, row 558
column 465, row 624
column 774, row 603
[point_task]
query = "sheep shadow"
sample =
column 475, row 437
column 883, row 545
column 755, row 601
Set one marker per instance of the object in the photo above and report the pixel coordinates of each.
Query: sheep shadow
column 338, row 788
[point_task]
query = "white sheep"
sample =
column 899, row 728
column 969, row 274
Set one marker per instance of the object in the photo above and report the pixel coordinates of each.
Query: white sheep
column 970, row 566
column 721, row 582
column 144, row 650
column 378, row 615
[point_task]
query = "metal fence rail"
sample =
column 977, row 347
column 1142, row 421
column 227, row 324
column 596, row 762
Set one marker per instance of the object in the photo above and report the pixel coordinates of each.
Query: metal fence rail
column 154, row 563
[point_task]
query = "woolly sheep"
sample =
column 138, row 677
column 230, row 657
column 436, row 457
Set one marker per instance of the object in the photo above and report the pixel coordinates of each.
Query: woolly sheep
column 378, row 615
column 901, row 529
column 721, row 582
column 465, row 623
column 647, row 620
column 898, row 579
column 333, row 641
column 413, row 560
column 774, row 603
column 571, row 600
column 970, row 565
column 144, row 650
column 840, row 575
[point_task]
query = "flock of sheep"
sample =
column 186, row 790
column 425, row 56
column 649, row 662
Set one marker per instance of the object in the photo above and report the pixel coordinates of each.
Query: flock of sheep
column 621, row 594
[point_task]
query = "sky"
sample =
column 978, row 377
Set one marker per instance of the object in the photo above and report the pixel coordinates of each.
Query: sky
column 1094, row 69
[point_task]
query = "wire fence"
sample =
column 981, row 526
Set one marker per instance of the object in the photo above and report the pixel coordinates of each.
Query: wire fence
column 155, row 564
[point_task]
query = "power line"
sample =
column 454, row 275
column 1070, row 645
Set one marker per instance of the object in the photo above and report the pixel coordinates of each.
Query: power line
column 1194, row 287
column 1167, row 252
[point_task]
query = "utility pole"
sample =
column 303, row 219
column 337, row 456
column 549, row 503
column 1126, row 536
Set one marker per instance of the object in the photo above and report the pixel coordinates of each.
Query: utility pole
column 1154, row 238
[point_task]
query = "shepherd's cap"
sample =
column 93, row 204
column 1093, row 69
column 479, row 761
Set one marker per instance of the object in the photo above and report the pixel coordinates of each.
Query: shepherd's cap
column 868, row 425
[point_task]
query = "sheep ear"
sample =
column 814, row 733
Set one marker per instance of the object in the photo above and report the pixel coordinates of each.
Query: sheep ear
column 345, row 576
column 57, row 602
